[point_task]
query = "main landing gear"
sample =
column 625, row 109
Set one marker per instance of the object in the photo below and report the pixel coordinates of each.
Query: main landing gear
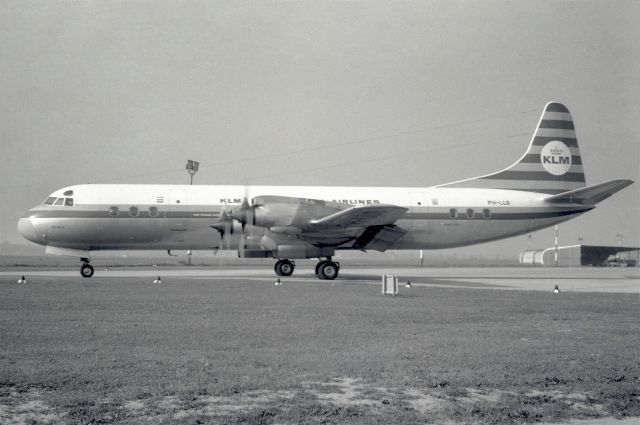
column 284, row 267
column 325, row 270
column 86, row 270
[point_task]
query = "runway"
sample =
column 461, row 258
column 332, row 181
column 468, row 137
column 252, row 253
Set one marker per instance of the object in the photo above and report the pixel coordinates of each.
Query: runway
column 585, row 279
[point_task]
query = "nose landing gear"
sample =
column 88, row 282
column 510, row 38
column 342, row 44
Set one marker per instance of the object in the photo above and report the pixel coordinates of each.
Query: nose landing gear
column 86, row 270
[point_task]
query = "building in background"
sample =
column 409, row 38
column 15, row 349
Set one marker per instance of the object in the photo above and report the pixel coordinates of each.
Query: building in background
column 583, row 255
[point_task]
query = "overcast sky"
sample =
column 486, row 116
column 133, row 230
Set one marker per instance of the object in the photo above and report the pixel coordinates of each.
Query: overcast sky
column 339, row 93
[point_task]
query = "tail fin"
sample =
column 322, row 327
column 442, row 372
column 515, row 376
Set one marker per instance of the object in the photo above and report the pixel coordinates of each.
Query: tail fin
column 551, row 165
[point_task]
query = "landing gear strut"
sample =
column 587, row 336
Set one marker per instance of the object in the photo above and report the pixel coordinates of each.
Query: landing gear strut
column 284, row 268
column 86, row 270
column 327, row 269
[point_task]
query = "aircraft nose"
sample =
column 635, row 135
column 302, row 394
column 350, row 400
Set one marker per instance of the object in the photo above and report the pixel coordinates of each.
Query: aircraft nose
column 26, row 229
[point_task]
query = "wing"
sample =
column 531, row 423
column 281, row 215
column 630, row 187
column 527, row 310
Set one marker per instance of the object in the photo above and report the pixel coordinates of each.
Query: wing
column 360, row 216
column 288, row 220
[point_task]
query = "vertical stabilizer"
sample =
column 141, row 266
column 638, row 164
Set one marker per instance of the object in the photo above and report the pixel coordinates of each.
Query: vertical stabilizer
column 552, row 164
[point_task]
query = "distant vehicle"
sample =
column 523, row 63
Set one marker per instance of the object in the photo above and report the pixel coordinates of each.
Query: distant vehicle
column 621, row 263
column 544, row 187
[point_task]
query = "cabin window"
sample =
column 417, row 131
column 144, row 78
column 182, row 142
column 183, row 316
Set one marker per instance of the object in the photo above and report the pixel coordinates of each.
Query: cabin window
column 133, row 211
column 153, row 211
column 486, row 213
column 113, row 211
column 453, row 213
column 470, row 213
column 68, row 202
column 50, row 200
column 68, row 193
column 59, row 201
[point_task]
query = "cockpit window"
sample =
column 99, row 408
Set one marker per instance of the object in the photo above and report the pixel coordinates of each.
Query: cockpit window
column 59, row 201
column 50, row 200
column 68, row 202
column 68, row 193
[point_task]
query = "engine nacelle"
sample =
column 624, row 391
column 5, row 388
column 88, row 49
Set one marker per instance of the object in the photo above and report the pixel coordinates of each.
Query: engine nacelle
column 283, row 211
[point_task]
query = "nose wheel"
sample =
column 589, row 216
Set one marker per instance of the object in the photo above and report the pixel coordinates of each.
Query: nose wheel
column 284, row 268
column 327, row 270
column 86, row 270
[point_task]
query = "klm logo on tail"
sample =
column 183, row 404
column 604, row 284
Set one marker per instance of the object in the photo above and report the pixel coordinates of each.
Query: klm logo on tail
column 556, row 158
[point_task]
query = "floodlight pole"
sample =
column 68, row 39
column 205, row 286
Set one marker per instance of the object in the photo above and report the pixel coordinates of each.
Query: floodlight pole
column 192, row 168
column 555, row 257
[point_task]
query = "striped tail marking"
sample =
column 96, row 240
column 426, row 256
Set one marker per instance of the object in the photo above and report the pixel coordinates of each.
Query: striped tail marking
column 552, row 163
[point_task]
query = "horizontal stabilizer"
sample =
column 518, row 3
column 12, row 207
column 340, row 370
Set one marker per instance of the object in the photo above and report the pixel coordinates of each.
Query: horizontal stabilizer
column 589, row 195
column 362, row 216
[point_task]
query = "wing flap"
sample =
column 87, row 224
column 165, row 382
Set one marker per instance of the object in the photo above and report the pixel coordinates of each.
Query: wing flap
column 379, row 238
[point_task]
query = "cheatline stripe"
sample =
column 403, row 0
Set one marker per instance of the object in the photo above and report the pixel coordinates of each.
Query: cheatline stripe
column 565, row 125
column 540, row 140
column 105, row 214
column 535, row 158
column 422, row 215
column 555, row 133
column 556, row 107
column 494, row 215
column 536, row 176
column 564, row 116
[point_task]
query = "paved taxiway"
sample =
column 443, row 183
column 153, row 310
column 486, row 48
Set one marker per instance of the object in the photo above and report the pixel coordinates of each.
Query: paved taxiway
column 585, row 279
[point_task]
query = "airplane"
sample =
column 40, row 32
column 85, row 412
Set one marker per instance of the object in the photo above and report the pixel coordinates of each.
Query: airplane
column 544, row 187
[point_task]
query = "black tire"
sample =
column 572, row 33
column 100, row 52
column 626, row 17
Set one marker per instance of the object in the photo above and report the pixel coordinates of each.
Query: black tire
column 328, row 270
column 86, row 270
column 318, row 269
column 284, row 268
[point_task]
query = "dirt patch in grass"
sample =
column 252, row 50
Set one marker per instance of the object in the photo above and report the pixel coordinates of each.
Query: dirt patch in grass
column 338, row 400
column 27, row 407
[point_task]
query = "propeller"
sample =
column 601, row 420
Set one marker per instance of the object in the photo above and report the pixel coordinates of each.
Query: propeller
column 244, row 215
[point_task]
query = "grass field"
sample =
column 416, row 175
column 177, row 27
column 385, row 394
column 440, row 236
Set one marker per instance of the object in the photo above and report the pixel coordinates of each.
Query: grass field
column 232, row 351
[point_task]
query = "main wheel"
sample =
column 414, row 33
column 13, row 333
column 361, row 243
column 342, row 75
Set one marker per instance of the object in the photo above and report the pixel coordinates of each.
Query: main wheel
column 86, row 270
column 328, row 270
column 284, row 268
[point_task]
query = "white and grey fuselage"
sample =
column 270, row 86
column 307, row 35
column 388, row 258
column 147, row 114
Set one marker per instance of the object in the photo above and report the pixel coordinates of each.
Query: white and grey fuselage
column 544, row 187
column 168, row 217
